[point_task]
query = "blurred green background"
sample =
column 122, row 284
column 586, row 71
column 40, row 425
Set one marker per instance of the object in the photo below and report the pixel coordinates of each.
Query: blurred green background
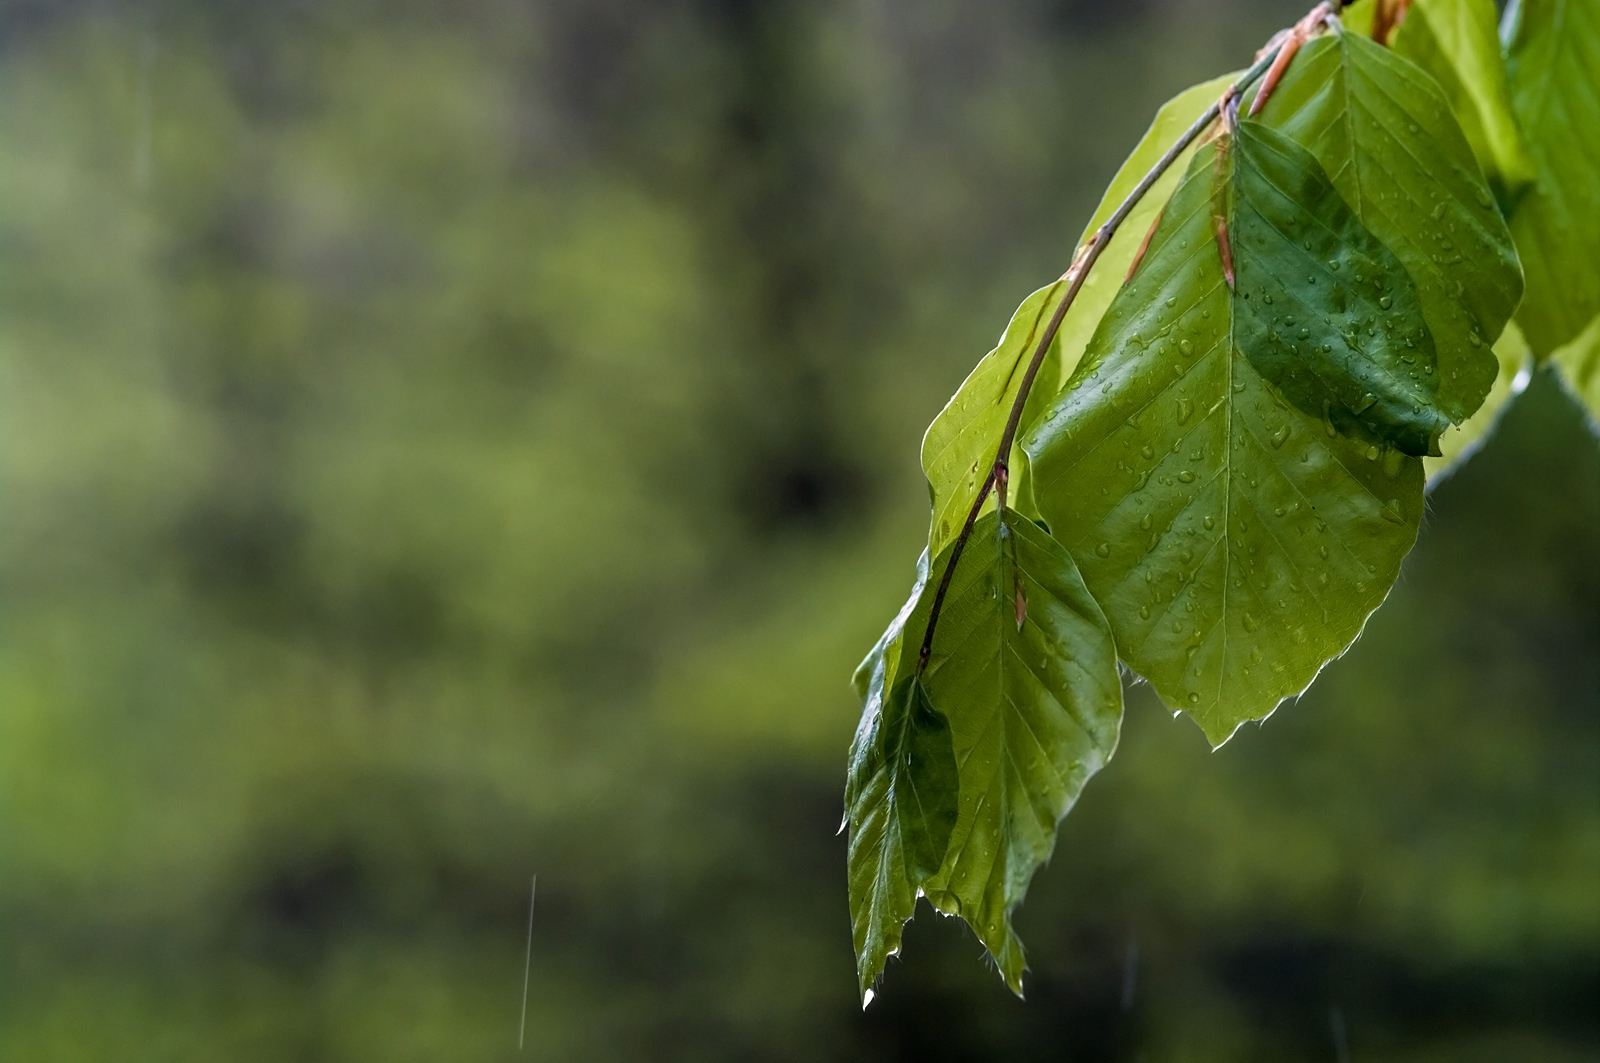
column 448, row 442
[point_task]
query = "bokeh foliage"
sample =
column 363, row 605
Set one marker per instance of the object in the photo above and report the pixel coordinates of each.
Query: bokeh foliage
column 446, row 443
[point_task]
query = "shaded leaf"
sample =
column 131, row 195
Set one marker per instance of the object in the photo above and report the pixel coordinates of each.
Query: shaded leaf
column 1554, row 62
column 1323, row 310
column 1034, row 708
column 901, row 807
column 1460, row 443
column 1386, row 136
column 960, row 445
column 1458, row 43
column 1236, row 542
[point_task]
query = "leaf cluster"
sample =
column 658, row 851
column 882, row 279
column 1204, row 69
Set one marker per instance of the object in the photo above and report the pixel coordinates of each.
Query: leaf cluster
column 1222, row 460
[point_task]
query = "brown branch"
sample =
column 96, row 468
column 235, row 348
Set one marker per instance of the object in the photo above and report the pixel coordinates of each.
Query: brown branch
column 1082, row 262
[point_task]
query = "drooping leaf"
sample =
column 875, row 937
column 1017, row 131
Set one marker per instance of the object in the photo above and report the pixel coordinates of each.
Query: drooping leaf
column 901, row 806
column 1236, row 542
column 1578, row 363
column 1024, row 667
column 1322, row 309
column 960, row 445
column 1554, row 62
column 1458, row 43
column 1386, row 136
column 1460, row 443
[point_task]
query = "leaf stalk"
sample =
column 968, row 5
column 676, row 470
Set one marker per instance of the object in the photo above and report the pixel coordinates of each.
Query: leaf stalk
column 1082, row 262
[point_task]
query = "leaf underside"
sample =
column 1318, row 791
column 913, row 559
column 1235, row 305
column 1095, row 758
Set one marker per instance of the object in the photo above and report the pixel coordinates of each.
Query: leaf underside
column 1554, row 64
column 1235, row 541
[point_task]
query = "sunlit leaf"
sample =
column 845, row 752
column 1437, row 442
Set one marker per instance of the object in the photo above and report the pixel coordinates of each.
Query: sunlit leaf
column 1024, row 667
column 1554, row 61
column 1236, row 542
column 1578, row 364
column 1461, row 442
column 1386, row 136
column 1458, row 43
column 960, row 445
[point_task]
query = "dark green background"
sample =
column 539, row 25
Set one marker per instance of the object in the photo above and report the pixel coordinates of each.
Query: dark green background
column 447, row 442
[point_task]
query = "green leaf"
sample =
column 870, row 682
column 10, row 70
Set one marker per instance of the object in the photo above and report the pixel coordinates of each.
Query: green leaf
column 901, row 807
column 960, row 445
column 1554, row 62
column 1024, row 667
column 1348, row 342
column 1458, row 43
column 1578, row 364
column 1236, row 542
column 1460, row 443
column 1385, row 134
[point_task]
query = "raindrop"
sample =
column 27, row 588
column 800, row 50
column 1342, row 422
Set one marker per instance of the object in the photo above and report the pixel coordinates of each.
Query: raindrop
column 1365, row 403
column 1144, row 612
column 1392, row 513
column 1323, row 551
column 1193, row 698
column 1144, row 523
column 1185, row 407
column 1385, row 302
column 1185, row 346
column 1104, row 549
column 1267, row 299
column 1148, row 451
column 1372, row 453
column 1474, row 339
column 1186, row 476
column 1305, row 333
column 1280, row 436
column 1250, row 622
column 1172, row 302
column 1210, row 522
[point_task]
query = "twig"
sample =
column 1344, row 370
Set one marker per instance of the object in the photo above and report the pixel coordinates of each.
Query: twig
column 1082, row 262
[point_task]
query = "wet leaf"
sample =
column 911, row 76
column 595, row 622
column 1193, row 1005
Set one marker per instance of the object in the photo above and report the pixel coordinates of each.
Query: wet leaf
column 1235, row 541
column 1322, row 309
column 1386, row 136
column 901, row 807
column 959, row 447
column 1034, row 711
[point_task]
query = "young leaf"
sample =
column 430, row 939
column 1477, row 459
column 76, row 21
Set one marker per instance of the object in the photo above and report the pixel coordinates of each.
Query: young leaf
column 960, row 444
column 901, row 807
column 1458, row 43
column 1460, row 443
column 1024, row 667
column 1236, row 542
column 1348, row 342
column 1554, row 62
column 1578, row 363
column 1385, row 134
